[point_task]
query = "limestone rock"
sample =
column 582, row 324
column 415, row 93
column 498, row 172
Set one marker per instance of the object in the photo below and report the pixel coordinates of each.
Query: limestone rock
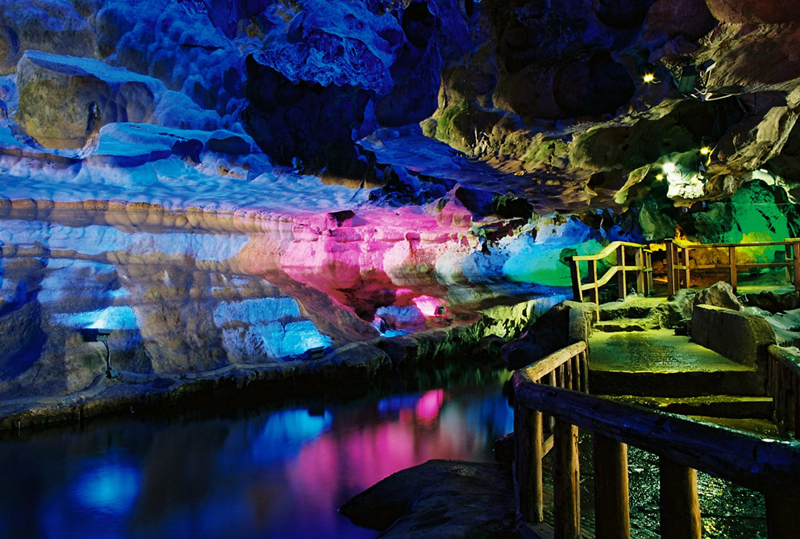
column 439, row 499
column 566, row 323
column 773, row 303
column 64, row 100
column 719, row 295
column 741, row 337
column 758, row 11
column 46, row 25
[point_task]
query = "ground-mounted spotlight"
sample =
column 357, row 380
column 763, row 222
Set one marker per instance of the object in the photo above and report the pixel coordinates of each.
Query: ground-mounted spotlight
column 660, row 177
column 99, row 335
column 705, row 150
column 649, row 78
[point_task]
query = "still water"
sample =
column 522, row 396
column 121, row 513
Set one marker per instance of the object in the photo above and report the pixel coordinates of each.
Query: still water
column 276, row 474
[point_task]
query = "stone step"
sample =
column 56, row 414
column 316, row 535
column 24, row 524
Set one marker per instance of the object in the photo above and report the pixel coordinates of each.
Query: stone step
column 658, row 363
column 720, row 406
column 676, row 384
column 626, row 324
column 634, row 307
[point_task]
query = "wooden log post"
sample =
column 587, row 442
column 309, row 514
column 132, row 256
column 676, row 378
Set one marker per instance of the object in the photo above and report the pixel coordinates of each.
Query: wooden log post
column 671, row 289
column 649, row 273
column 796, row 260
column 593, row 280
column 612, row 510
column 686, row 271
column 641, row 286
column 566, row 482
column 528, row 463
column 680, row 505
column 575, row 271
column 783, row 518
column 577, row 377
column 584, row 359
column 622, row 279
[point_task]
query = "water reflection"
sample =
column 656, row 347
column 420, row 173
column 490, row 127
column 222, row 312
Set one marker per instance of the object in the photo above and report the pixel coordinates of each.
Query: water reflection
column 272, row 474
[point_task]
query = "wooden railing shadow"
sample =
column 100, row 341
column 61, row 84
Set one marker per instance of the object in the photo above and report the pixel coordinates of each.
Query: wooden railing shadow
column 683, row 446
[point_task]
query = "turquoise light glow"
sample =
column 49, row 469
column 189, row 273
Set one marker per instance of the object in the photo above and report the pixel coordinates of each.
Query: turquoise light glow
column 108, row 488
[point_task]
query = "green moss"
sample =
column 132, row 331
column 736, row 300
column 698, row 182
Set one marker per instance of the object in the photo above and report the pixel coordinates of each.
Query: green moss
column 544, row 152
column 445, row 127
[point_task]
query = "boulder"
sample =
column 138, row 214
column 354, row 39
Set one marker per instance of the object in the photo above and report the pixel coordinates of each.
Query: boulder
column 45, row 25
column 566, row 323
column 754, row 11
column 719, row 295
column 741, row 337
column 772, row 302
column 440, row 499
column 64, row 100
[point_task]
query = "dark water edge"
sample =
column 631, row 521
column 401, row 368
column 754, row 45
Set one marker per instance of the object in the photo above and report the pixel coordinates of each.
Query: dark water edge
column 230, row 471
column 282, row 469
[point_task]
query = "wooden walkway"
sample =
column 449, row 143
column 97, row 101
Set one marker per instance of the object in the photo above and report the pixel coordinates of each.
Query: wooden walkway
column 552, row 403
column 637, row 258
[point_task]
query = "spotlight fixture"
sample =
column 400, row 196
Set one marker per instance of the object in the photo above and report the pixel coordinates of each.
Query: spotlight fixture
column 705, row 150
column 99, row 335
column 660, row 177
column 648, row 78
column 669, row 168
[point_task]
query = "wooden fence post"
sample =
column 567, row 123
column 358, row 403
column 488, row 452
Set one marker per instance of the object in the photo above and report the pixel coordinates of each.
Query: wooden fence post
column 687, row 275
column 593, row 279
column 612, row 510
column 680, row 505
column 671, row 289
column 528, row 463
column 641, row 274
column 796, row 260
column 575, row 272
column 566, row 481
column 732, row 264
column 622, row 279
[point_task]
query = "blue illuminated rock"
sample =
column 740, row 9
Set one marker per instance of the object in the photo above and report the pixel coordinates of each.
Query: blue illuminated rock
column 64, row 100
column 45, row 25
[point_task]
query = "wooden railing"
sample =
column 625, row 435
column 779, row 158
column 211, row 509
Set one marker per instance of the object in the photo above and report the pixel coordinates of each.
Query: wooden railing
column 783, row 374
column 642, row 265
column 679, row 268
column 683, row 445
column 566, row 368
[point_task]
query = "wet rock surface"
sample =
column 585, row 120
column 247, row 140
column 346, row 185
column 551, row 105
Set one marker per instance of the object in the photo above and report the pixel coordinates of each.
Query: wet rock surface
column 447, row 499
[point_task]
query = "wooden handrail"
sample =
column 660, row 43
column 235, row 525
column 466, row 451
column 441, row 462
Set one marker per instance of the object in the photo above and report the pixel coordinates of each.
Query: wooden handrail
column 788, row 241
column 610, row 249
column 548, row 364
column 643, row 267
column 783, row 374
column 567, row 368
column 736, row 456
column 682, row 444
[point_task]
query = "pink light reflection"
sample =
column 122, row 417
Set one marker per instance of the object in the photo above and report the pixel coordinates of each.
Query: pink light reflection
column 428, row 406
